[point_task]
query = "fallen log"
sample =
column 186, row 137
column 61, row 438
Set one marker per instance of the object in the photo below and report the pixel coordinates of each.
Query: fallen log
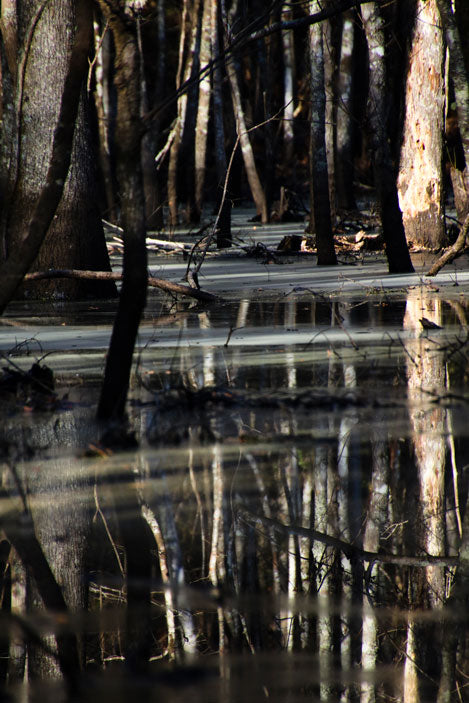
column 167, row 286
column 453, row 251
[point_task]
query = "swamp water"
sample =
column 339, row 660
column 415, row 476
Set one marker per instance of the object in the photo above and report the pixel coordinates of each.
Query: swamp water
column 289, row 523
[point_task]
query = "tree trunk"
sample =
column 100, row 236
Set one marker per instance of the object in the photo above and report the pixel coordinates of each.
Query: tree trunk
column 345, row 118
column 132, row 298
column 223, row 203
column 420, row 179
column 153, row 207
column 288, row 98
column 331, row 45
column 75, row 236
column 185, row 69
column 246, row 148
column 105, row 116
column 203, row 107
column 397, row 251
column 455, row 30
column 320, row 210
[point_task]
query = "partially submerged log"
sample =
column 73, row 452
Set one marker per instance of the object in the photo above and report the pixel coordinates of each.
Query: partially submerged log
column 167, row 286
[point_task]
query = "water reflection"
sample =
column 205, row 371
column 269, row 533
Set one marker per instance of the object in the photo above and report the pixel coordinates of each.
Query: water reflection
column 291, row 526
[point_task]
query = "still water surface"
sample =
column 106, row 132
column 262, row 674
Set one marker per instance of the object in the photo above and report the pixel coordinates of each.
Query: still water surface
column 288, row 525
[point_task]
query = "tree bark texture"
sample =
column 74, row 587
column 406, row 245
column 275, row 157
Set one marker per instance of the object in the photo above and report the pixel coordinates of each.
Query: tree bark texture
column 288, row 92
column 454, row 30
column 397, row 252
column 318, row 157
column 255, row 185
column 203, row 106
column 75, row 236
column 223, row 202
column 344, row 170
column 132, row 298
column 185, row 69
column 420, row 179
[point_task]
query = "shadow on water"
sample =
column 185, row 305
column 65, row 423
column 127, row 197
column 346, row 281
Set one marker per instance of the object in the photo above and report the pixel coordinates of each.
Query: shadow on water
column 287, row 521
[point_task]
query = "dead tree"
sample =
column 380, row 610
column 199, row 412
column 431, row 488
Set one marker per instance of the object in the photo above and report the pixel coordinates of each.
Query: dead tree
column 420, row 179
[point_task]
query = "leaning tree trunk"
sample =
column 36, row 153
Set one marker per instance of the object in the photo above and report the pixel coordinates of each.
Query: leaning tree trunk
column 132, row 298
column 75, row 239
column 420, row 180
column 397, row 251
column 320, row 210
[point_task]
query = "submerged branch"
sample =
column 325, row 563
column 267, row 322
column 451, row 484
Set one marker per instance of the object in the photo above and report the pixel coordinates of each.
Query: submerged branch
column 350, row 550
column 167, row 286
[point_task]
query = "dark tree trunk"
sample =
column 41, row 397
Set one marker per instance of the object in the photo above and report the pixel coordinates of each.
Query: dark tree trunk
column 223, row 202
column 75, row 235
column 132, row 298
column 153, row 207
column 397, row 251
column 320, row 208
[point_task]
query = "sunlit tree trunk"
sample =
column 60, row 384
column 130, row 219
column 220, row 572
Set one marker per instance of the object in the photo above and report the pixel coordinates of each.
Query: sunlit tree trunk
column 243, row 135
column 320, row 223
column 397, row 251
column 420, row 179
column 203, row 105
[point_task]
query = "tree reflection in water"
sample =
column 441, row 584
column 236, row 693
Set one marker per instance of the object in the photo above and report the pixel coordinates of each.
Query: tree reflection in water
column 291, row 526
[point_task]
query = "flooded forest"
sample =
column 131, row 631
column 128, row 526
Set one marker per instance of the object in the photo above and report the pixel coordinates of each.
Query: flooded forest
column 234, row 334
